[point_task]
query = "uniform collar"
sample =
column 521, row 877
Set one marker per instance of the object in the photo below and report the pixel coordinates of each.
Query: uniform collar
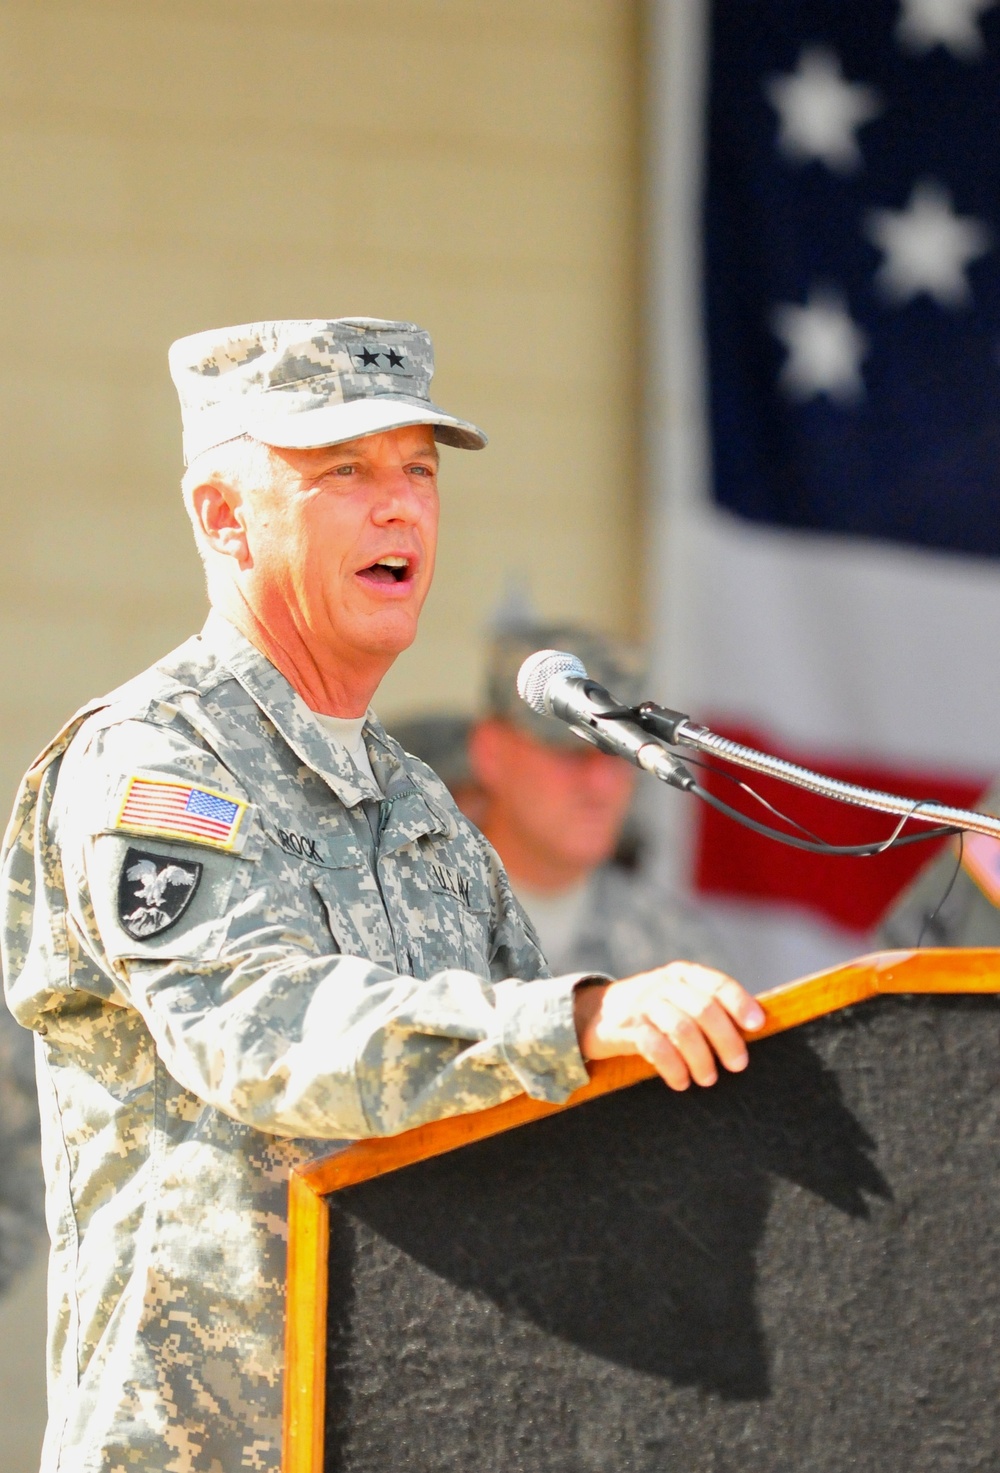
column 410, row 814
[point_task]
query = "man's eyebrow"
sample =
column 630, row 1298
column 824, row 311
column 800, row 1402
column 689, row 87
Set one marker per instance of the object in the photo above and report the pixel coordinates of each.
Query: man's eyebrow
column 350, row 447
column 426, row 452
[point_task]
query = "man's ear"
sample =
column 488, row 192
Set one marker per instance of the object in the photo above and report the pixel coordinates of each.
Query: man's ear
column 218, row 509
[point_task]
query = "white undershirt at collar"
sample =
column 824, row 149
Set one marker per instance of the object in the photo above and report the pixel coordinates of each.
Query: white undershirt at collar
column 345, row 731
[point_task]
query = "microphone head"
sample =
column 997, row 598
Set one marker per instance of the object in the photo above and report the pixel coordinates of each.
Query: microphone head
column 537, row 673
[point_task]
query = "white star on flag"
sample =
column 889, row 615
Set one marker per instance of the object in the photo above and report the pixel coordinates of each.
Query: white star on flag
column 825, row 348
column 954, row 24
column 820, row 111
column 927, row 247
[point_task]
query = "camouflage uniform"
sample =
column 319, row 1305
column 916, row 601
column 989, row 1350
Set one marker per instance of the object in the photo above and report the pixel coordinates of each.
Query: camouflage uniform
column 322, row 977
column 970, row 916
column 629, row 924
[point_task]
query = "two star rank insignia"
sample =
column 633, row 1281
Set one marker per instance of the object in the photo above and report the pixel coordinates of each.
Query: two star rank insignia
column 369, row 358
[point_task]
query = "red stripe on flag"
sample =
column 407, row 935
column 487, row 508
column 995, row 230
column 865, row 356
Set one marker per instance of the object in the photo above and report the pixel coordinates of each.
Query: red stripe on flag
column 855, row 893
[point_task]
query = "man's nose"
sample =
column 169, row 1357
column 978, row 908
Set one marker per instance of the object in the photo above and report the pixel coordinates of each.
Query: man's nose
column 395, row 497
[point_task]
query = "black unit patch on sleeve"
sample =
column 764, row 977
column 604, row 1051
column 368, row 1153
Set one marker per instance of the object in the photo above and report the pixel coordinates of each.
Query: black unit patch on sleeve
column 154, row 891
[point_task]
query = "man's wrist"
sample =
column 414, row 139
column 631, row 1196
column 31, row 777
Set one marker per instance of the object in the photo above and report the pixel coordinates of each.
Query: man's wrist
column 587, row 998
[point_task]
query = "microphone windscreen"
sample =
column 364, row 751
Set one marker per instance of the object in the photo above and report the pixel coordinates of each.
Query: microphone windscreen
column 539, row 669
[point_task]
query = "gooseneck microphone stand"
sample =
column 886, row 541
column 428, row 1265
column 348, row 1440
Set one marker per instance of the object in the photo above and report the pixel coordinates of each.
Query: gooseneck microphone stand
column 678, row 730
column 555, row 683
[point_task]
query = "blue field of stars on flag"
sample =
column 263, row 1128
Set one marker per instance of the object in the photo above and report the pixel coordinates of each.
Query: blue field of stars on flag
column 207, row 805
column 852, row 267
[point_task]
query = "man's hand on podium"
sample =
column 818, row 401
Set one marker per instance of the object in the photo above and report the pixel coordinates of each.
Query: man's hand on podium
column 681, row 1018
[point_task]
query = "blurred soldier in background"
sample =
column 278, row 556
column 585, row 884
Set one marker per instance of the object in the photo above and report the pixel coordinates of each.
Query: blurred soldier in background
column 928, row 913
column 442, row 741
column 558, row 812
column 21, row 1190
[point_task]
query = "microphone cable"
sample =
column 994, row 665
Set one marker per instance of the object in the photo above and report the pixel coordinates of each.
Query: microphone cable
column 932, row 916
column 812, row 844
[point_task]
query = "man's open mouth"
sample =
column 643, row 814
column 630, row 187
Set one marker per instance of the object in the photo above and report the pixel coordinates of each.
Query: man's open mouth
column 387, row 570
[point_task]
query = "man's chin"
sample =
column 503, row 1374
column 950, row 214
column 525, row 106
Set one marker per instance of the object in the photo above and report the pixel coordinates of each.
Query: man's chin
column 589, row 856
column 388, row 635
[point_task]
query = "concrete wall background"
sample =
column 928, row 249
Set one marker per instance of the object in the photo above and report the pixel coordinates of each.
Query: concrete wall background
column 189, row 163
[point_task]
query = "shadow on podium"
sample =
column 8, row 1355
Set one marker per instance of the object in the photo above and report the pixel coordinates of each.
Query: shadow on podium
column 798, row 1268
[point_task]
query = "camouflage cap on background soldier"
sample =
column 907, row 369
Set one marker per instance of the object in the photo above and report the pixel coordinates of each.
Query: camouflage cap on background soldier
column 614, row 663
column 442, row 741
column 303, row 384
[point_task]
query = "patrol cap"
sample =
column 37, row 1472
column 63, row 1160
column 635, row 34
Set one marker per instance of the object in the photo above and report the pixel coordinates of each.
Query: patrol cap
column 614, row 663
column 301, row 384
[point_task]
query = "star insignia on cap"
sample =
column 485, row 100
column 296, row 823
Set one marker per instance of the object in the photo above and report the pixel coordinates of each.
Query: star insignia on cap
column 395, row 359
column 368, row 358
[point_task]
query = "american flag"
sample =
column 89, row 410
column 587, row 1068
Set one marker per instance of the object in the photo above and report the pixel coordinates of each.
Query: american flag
column 834, row 514
column 178, row 810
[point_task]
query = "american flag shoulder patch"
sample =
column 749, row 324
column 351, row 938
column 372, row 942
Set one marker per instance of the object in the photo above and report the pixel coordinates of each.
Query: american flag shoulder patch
column 168, row 808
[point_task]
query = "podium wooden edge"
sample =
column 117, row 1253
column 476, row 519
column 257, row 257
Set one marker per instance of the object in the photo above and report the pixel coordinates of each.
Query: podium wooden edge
column 931, row 970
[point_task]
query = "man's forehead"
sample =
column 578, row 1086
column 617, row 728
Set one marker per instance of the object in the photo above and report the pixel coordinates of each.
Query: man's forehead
column 406, row 440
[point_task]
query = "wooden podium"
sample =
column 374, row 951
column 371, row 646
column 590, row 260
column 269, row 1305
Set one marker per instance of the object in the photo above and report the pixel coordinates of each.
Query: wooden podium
column 626, row 1286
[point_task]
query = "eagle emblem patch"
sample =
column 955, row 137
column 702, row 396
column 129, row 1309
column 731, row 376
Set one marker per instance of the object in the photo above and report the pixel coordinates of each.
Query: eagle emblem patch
column 154, row 892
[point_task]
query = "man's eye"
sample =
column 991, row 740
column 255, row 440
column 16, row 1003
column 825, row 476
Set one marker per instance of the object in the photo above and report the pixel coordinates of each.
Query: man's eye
column 344, row 470
column 421, row 470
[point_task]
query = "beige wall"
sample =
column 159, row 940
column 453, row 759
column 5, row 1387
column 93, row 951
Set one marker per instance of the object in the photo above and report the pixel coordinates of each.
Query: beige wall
column 178, row 164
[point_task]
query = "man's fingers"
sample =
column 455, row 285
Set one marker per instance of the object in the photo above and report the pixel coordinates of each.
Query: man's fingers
column 741, row 1005
column 714, row 1022
column 685, row 1019
column 686, row 1034
column 656, row 1048
column 738, row 1003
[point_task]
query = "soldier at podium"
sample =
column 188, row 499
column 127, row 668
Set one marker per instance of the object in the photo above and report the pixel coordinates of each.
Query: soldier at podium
column 244, row 924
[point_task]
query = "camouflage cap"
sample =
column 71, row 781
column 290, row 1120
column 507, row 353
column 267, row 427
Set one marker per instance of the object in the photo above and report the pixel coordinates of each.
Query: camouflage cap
column 304, row 384
column 613, row 663
column 442, row 741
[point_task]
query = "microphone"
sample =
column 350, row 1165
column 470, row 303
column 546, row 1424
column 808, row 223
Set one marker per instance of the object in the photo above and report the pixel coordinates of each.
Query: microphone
column 554, row 683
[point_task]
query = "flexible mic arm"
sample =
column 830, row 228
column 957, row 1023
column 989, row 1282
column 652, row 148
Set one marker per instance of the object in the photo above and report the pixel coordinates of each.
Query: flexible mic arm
column 679, row 730
column 673, row 728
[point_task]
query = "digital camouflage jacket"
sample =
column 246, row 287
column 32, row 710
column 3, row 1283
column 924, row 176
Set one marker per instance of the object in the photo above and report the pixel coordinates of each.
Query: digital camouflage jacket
column 236, row 950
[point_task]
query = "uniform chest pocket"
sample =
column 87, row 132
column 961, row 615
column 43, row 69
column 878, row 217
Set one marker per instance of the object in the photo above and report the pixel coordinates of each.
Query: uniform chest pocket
column 456, row 930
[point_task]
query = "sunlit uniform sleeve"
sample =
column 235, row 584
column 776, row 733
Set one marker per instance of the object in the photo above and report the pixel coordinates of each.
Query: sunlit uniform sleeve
column 257, row 1000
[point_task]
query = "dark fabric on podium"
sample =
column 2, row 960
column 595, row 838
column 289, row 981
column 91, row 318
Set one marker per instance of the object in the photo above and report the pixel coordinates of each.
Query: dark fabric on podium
column 797, row 1269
